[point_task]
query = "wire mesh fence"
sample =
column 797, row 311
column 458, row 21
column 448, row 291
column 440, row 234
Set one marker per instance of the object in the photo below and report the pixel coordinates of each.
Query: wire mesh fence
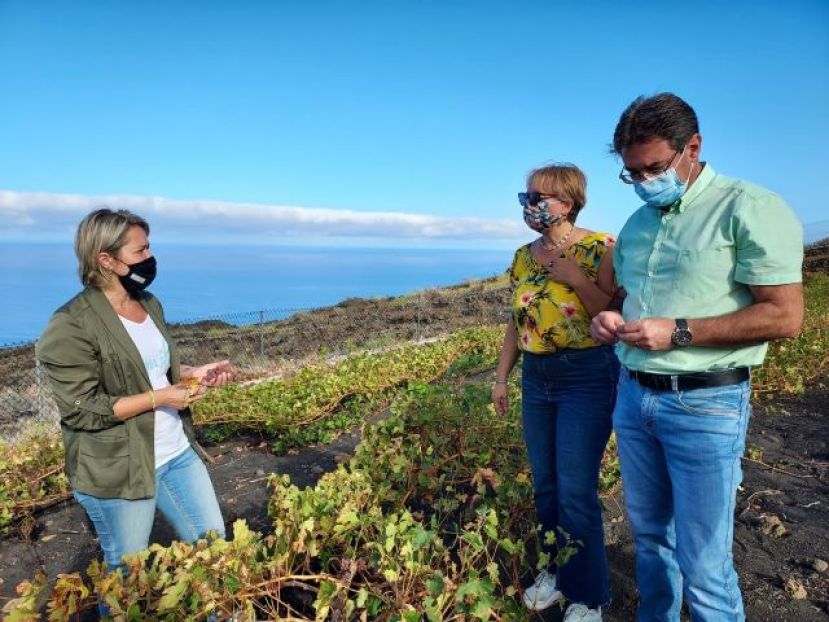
column 270, row 341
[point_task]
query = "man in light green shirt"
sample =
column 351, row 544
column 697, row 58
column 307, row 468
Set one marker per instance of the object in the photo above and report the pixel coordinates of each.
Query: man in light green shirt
column 710, row 269
column 699, row 258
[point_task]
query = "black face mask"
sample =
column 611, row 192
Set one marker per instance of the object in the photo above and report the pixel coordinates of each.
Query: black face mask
column 139, row 277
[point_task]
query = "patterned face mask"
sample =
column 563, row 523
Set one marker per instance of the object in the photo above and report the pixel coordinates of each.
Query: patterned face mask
column 538, row 217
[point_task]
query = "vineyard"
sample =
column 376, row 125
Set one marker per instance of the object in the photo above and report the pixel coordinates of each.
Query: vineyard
column 431, row 519
column 289, row 410
column 431, row 516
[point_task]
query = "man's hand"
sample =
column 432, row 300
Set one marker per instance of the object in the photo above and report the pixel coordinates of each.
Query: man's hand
column 604, row 326
column 653, row 333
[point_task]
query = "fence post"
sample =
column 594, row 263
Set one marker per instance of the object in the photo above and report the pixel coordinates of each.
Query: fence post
column 39, row 401
column 262, row 336
column 417, row 315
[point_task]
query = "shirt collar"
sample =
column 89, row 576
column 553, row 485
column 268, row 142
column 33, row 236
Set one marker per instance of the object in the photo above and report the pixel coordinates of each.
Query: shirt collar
column 705, row 177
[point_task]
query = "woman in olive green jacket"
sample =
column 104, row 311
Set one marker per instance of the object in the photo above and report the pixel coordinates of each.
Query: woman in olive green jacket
column 124, row 397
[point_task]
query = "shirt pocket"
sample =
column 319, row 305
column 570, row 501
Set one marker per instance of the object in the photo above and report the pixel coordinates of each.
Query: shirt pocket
column 104, row 460
column 706, row 273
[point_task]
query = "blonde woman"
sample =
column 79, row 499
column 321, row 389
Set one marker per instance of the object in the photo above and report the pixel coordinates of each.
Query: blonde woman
column 124, row 397
column 560, row 281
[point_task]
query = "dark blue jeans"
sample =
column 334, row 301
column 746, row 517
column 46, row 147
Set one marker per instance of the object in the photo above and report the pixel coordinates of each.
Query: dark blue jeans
column 567, row 401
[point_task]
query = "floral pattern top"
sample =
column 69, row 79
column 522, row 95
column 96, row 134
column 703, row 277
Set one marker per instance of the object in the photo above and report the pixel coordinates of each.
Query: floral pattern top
column 549, row 315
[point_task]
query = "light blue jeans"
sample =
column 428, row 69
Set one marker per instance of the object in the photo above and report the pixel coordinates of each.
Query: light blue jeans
column 185, row 496
column 680, row 456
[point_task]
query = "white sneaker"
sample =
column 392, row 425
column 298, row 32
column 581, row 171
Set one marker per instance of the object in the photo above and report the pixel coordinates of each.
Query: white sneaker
column 543, row 592
column 581, row 613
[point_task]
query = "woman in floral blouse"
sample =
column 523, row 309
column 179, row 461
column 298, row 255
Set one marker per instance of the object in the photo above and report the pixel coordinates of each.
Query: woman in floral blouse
column 560, row 281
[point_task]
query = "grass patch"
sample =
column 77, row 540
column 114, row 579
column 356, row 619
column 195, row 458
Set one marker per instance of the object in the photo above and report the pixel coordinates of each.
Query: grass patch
column 791, row 364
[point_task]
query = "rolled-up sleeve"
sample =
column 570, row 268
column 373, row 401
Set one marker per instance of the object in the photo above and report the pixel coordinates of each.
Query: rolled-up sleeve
column 769, row 242
column 70, row 359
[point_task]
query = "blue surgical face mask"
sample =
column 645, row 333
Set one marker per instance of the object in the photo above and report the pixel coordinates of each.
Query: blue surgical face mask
column 664, row 189
column 538, row 217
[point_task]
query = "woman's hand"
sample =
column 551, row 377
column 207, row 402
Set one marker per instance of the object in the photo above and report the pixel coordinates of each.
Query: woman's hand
column 605, row 326
column 180, row 396
column 500, row 398
column 565, row 270
column 216, row 374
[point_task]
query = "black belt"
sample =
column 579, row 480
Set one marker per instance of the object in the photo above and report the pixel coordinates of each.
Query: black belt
column 688, row 382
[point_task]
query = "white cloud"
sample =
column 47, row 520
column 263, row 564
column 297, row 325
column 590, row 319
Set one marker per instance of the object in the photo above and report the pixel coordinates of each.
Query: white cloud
column 30, row 213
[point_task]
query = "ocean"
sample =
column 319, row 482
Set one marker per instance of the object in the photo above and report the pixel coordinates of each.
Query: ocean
column 215, row 281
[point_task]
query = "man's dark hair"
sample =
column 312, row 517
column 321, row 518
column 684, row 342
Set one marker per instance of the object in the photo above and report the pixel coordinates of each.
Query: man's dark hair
column 647, row 119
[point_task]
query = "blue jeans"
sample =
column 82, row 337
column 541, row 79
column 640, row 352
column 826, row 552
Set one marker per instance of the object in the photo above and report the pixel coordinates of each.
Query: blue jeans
column 680, row 456
column 567, row 401
column 185, row 496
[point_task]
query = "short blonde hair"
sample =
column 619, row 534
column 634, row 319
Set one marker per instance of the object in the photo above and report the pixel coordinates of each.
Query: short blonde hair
column 102, row 231
column 564, row 181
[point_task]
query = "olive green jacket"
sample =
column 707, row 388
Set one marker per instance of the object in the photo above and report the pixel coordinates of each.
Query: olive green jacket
column 91, row 362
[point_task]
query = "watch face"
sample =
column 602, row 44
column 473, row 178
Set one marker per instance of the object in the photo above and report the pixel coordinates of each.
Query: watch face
column 681, row 337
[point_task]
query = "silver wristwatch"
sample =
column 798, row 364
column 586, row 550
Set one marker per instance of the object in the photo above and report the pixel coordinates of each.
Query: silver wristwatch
column 682, row 334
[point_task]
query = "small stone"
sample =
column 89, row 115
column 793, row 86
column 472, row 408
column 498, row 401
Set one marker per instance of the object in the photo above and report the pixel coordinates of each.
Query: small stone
column 260, row 472
column 795, row 589
column 773, row 526
column 820, row 565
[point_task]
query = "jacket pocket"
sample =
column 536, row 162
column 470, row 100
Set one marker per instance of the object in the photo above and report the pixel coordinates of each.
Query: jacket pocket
column 103, row 462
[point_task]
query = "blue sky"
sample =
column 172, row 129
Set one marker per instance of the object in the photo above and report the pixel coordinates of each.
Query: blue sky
column 301, row 121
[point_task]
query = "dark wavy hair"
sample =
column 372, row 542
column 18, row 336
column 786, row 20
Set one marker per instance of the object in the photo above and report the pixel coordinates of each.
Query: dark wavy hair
column 646, row 119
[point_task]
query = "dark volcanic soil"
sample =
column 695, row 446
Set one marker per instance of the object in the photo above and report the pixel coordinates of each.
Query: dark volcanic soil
column 789, row 435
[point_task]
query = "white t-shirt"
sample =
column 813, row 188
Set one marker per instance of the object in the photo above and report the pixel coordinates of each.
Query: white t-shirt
column 170, row 440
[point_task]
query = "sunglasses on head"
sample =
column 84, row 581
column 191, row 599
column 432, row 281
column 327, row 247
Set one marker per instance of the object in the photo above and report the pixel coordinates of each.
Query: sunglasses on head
column 532, row 198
